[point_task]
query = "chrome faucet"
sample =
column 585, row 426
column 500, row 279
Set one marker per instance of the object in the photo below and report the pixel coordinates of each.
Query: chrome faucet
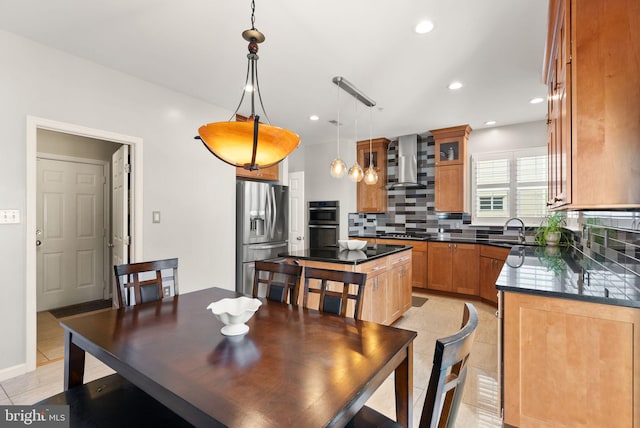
column 521, row 237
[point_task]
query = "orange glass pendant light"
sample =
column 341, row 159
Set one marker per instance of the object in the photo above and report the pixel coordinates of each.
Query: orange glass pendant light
column 251, row 145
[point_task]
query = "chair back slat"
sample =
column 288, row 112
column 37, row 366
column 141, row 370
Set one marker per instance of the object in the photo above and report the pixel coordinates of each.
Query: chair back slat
column 145, row 281
column 334, row 290
column 282, row 281
column 448, row 373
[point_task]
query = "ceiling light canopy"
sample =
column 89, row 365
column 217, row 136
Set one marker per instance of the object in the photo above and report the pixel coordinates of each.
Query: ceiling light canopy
column 490, row 122
column 251, row 145
column 536, row 100
column 455, row 85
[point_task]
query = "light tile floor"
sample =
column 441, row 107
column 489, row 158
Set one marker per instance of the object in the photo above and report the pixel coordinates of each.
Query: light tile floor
column 438, row 317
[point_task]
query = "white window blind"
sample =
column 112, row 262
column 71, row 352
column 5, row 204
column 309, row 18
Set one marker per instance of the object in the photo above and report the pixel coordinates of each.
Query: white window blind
column 509, row 184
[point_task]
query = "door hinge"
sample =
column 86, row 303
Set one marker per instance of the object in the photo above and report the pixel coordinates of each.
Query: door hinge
column 127, row 241
column 127, row 168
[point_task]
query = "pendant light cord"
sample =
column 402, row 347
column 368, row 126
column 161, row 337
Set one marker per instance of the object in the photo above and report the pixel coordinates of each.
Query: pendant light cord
column 370, row 136
column 253, row 15
column 338, row 126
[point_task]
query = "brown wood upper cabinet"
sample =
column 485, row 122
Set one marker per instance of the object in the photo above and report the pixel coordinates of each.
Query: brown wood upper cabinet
column 451, row 176
column 372, row 198
column 593, row 78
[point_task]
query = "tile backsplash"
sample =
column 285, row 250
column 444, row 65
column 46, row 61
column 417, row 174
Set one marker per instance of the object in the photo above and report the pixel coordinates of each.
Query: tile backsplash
column 612, row 238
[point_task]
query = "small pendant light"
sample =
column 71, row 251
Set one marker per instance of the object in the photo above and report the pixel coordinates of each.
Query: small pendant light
column 338, row 168
column 370, row 175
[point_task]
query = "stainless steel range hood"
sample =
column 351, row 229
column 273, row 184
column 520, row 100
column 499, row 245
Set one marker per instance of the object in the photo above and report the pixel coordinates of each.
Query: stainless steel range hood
column 407, row 170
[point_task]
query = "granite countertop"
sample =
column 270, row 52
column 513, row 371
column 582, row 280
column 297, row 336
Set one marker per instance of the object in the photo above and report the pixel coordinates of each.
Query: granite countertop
column 566, row 273
column 338, row 255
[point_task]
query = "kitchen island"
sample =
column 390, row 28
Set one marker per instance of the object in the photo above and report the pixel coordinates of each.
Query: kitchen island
column 387, row 293
column 570, row 330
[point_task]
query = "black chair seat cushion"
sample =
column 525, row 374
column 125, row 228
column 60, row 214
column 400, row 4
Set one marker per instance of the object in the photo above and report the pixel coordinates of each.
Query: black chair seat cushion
column 112, row 401
column 369, row 418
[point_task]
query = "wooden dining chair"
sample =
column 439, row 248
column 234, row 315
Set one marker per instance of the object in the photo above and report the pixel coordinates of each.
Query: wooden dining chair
column 334, row 298
column 446, row 383
column 282, row 281
column 146, row 281
column 113, row 400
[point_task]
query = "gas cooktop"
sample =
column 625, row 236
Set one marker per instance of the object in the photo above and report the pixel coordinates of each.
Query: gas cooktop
column 405, row 235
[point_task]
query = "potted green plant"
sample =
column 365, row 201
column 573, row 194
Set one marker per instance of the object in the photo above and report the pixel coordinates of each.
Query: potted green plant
column 550, row 230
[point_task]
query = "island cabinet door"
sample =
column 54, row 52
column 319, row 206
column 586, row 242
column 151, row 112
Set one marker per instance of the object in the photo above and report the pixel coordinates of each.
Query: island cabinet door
column 375, row 291
column 399, row 285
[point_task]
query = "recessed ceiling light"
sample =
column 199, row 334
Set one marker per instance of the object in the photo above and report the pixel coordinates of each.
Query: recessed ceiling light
column 536, row 100
column 424, row 27
column 490, row 122
column 314, row 117
column 455, row 85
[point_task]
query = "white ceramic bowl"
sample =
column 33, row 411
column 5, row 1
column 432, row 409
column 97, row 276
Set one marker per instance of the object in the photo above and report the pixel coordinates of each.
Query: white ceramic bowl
column 234, row 312
column 352, row 244
column 352, row 255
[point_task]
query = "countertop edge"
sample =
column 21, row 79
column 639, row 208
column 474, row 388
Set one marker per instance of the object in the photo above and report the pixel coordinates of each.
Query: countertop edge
column 399, row 248
column 578, row 297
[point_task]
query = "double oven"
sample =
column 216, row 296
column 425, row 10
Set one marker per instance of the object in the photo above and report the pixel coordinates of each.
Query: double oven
column 324, row 223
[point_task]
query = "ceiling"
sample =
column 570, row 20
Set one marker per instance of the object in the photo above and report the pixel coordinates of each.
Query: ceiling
column 494, row 47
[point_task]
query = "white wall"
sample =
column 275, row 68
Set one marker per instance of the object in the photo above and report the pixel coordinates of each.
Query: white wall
column 76, row 146
column 190, row 187
column 321, row 186
column 519, row 136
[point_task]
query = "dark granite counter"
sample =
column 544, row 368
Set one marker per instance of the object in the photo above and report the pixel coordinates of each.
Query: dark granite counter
column 338, row 255
column 566, row 273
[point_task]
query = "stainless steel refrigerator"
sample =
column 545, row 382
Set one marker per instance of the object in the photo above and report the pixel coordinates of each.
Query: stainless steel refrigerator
column 262, row 227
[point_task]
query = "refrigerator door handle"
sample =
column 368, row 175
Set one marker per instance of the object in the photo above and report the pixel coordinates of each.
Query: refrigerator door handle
column 274, row 212
column 269, row 247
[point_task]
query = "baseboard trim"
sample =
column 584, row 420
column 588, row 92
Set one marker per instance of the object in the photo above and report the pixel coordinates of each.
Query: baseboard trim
column 14, row 371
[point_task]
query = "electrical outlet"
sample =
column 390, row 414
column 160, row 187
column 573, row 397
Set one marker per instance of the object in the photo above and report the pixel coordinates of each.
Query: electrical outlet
column 166, row 291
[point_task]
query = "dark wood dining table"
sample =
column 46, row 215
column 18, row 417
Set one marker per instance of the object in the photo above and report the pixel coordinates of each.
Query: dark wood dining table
column 295, row 366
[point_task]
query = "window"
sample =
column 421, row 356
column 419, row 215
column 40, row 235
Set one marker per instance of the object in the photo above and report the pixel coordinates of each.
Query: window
column 509, row 184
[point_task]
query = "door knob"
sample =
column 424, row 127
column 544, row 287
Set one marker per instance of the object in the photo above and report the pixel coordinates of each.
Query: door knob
column 38, row 243
column 299, row 238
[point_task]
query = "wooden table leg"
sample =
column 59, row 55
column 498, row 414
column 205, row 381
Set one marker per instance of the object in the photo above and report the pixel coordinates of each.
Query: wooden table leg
column 404, row 389
column 73, row 363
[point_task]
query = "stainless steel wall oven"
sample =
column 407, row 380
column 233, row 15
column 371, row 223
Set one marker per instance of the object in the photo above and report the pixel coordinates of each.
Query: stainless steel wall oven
column 324, row 223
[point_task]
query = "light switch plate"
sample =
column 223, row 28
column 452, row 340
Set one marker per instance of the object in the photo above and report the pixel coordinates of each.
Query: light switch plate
column 156, row 216
column 9, row 216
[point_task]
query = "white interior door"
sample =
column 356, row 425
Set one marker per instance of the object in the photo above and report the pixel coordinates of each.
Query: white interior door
column 120, row 210
column 70, row 233
column 296, row 211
